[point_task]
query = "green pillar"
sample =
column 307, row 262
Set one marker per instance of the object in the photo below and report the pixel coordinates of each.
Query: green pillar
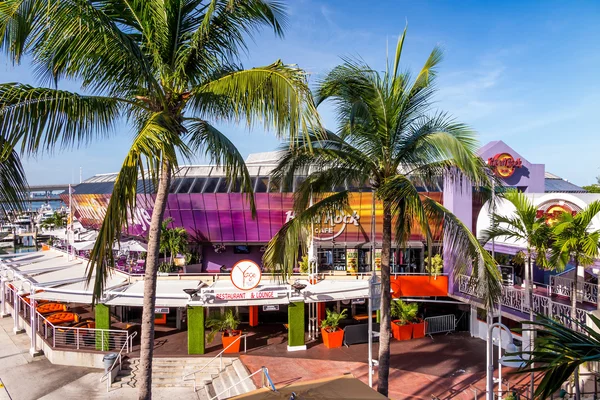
column 102, row 322
column 296, row 326
column 195, row 318
column 378, row 318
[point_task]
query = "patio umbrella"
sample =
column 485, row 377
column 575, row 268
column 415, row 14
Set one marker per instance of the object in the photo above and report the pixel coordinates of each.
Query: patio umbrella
column 131, row 245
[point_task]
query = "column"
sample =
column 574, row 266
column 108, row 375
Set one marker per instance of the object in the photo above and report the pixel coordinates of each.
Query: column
column 253, row 317
column 321, row 313
column 3, row 312
column 33, row 320
column 102, row 326
column 195, row 319
column 296, row 326
column 16, row 328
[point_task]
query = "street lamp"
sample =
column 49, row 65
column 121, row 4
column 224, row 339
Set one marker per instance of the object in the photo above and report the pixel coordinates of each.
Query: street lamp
column 514, row 361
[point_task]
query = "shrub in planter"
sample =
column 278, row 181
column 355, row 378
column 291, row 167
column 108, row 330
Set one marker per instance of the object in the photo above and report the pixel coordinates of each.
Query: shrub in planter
column 333, row 335
column 404, row 313
column 227, row 324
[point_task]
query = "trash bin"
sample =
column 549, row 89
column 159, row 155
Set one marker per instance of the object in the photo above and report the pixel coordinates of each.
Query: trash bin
column 109, row 360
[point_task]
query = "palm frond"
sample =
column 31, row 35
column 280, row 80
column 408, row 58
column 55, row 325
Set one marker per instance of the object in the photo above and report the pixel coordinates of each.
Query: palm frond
column 13, row 182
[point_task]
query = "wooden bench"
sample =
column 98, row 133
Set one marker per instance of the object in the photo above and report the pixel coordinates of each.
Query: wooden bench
column 364, row 317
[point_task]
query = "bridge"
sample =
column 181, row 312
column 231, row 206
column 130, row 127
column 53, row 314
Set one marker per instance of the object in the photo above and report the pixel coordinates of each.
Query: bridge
column 48, row 188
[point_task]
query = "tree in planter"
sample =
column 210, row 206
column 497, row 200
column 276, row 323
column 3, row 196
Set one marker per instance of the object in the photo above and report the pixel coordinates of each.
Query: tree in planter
column 333, row 336
column 226, row 323
column 173, row 241
column 434, row 265
column 405, row 313
column 390, row 143
column 168, row 68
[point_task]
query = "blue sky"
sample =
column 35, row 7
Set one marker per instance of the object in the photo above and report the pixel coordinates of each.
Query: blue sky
column 524, row 72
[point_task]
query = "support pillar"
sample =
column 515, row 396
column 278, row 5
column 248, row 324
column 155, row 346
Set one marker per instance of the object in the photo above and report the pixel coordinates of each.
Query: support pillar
column 296, row 336
column 3, row 312
column 253, row 316
column 195, row 320
column 16, row 326
column 378, row 316
column 178, row 318
column 33, row 323
column 102, row 312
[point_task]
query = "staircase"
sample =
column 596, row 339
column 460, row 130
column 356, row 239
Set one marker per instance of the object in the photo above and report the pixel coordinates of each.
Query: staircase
column 169, row 372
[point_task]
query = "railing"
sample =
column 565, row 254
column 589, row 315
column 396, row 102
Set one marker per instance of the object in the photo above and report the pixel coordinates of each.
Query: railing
column 517, row 300
column 265, row 375
column 219, row 356
column 562, row 286
column 440, row 324
column 129, row 344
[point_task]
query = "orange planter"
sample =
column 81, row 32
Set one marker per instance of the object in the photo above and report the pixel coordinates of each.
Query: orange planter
column 401, row 332
column 50, row 308
column 63, row 318
column 227, row 340
column 333, row 340
column 419, row 329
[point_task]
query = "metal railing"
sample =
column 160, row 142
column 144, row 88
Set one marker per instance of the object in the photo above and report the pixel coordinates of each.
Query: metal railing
column 129, row 344
column 265, row 375
column 516, row 299
column 440, row 324
column 562, row 286
column 219, row 356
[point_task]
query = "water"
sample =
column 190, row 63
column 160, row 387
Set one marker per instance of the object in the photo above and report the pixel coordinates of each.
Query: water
column 17, row 250
column 35, row 205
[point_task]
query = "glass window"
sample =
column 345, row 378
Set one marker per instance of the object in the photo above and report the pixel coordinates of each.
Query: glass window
column 274, row 186
column 198, row 185
column 340, row 188
column 261, row 184
column 298, row 181
column 222, row 186
column 174, row 185
column 211, row 184
column 185, row 185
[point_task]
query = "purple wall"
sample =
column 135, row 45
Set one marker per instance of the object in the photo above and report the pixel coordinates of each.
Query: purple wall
column 229, row 258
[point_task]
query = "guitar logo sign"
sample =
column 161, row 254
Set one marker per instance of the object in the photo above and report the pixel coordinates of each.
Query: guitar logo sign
column 245, row 275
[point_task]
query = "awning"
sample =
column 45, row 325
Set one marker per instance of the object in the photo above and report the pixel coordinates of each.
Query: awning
column 223, row 293
column 503, row 248
column 336, row 290
column 168, row 294
column 79, row 292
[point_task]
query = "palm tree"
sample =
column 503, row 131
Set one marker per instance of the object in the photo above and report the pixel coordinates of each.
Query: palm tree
column 524, row 226
column 168, row 67
column 575, row 240
column 390, row 143
column 13, row 183
column 172, row 240
column 57, row 220
column 559, row 351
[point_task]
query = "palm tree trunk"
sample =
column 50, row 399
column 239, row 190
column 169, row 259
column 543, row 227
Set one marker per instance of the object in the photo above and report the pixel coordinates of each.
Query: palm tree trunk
column 386, row 300
column 147, row 338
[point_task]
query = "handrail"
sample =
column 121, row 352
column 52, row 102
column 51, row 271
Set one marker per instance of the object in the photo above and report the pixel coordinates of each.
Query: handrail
column 265, row 372
column 214, row 358
column 128, row 343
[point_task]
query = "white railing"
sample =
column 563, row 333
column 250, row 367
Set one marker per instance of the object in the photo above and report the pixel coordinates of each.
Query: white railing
column 516, row 299
column 219, row 356
column 265, row 375
column 561, row 286
column 108, row 375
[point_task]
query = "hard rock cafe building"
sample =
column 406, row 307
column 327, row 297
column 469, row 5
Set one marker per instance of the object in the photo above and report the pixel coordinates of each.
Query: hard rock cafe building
column 223, row 232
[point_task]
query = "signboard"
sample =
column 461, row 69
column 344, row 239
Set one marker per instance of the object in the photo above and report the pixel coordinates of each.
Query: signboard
column 375, row 291
column 162, row 310
column 352, row 260
column 246, row 295
column 358, row 301
column 329, row 226
column 377, row 259
column 504, row 164
column 551, row 212
column 273, row 307
column 245, row 275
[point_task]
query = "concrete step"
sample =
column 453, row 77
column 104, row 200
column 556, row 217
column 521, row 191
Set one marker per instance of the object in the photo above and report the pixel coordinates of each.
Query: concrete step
column 242, row 373
column 231, row 379
column 219, row 386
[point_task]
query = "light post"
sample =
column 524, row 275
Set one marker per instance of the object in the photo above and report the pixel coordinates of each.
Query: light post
column 514, row 361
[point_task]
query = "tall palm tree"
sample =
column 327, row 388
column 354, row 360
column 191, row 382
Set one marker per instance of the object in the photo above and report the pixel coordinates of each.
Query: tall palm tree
column 390, row 143
column 576, row 240
column 172, row 240
column 526, row 227
column 168, row 67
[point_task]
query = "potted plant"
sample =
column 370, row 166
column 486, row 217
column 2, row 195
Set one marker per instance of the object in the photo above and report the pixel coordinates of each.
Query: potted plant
column 404, row 313
column 227, row 324
column 333, row 335
column 419, row 326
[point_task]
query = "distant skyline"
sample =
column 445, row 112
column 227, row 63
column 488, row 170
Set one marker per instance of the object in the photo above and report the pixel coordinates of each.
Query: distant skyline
column 524, row 72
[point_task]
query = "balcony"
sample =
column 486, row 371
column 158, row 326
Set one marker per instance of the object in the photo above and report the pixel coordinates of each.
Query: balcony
column 418, row 285
column 552, row 301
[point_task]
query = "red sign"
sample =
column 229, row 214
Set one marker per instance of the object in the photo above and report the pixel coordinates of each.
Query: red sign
column 245, row 295
column 553, row 212
column 504, row 164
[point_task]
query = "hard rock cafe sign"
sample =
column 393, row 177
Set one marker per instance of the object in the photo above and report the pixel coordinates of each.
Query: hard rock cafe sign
column 553, row 210
column 329, row 227
column 504, row 164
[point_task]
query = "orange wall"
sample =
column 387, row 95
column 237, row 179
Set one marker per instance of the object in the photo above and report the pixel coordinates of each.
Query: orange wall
column 418, row 286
